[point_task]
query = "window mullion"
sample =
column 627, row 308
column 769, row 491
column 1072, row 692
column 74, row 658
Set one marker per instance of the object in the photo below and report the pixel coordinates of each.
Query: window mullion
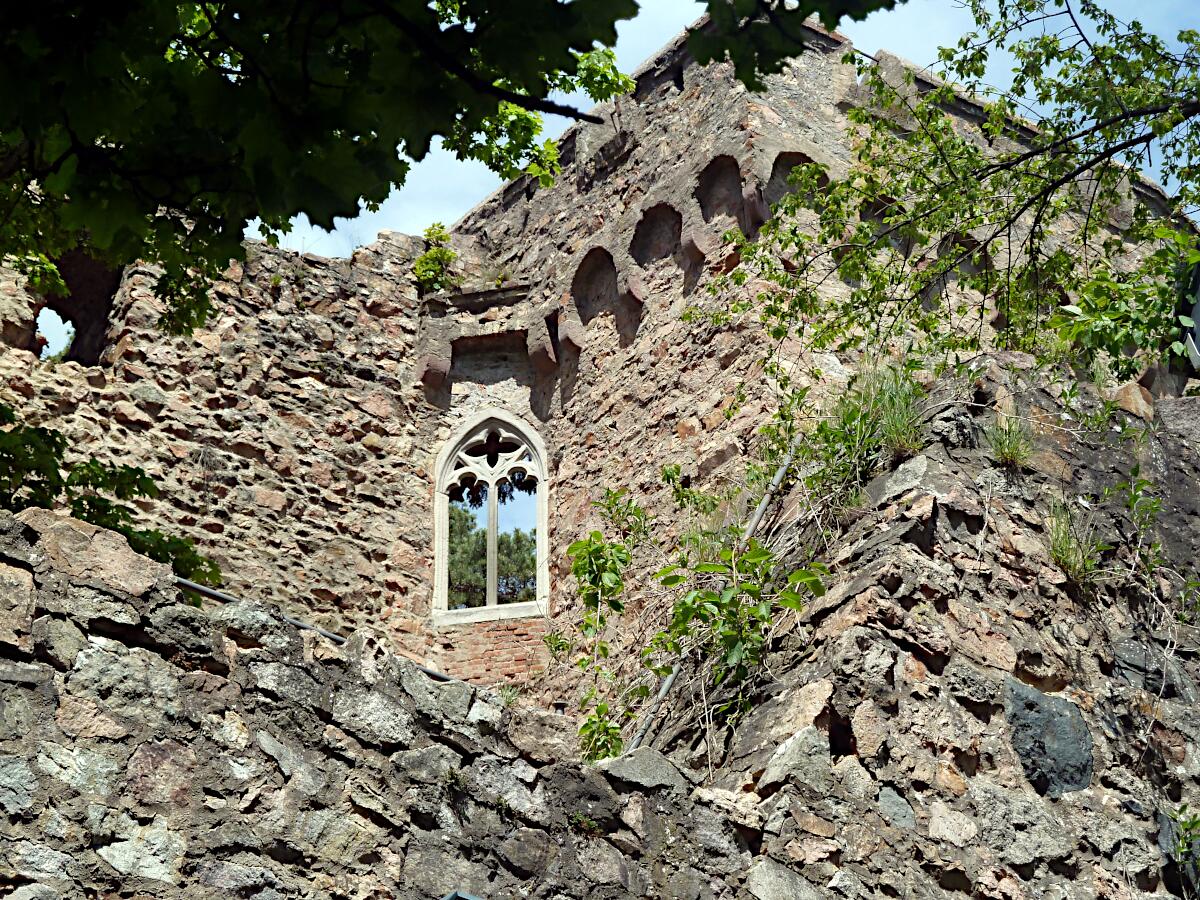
column 493, row 518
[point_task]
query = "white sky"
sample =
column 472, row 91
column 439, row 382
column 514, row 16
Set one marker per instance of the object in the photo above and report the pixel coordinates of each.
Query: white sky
column 441, row 188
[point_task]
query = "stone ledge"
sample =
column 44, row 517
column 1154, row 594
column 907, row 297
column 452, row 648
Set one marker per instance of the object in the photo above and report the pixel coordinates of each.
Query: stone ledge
column 450, row 618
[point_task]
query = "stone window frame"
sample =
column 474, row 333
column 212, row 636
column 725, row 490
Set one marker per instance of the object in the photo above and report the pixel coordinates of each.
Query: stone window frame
column 445, row 470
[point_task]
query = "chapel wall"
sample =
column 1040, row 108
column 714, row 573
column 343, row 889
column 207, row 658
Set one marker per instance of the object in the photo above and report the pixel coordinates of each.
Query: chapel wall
column 282, row 435
column 294, row 436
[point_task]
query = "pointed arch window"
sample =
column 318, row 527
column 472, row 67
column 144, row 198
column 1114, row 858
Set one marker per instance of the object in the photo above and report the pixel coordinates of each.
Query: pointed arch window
column 490, row 522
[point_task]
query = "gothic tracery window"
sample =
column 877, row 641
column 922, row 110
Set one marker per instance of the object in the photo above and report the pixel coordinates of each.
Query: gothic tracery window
column 491, row 523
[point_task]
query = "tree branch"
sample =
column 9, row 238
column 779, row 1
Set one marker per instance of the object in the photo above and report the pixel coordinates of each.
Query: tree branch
column 1189, row 110
column 1107, row 77
column 14, row 158
column 1108, row 153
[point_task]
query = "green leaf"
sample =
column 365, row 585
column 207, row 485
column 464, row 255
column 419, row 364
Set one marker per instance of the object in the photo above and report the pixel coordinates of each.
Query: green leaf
column 791, row 600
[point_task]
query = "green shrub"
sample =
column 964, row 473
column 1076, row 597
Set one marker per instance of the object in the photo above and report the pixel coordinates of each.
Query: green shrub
column 598, row 566
column 1011, row 441
column 509, row 694
column 873, row 425
column 898, row 403
column 600, row 734
column 726, row 609
column 556, row 644
column 585, row 825
column 432, row 268
column 1188, row 601
column 33, row 473
column 1187, row 834
column 1074, row 546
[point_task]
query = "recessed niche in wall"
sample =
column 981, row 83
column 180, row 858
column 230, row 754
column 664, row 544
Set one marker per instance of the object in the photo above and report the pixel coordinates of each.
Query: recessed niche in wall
column 491, row 359
column 657, row 235
column 594, row 290
column 778, row 185
column 719, row 191
column 594, row 287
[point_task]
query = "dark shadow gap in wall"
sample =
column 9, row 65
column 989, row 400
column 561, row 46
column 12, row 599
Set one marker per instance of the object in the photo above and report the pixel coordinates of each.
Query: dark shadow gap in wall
column 778, row 185
column 92, row 285
column 595, row 292
column 491, row 359
column 594, row 287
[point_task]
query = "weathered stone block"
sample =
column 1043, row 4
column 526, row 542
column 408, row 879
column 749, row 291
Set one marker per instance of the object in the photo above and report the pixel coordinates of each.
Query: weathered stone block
column 895, row 809
column 151, row 851
column 16, row 606
column 645, row 768
column 528, row 851
column 82, row 717
column 92, row 555
column 286, row 681
column 1051, row 739
column 802, row 759
column 945, row 824
column 58, row 640
column 769, row 880
column 540, row 349
column 428, row 765
column 34, row 859
column 433, row 369
column 162, row 773
column 542, row 735
column 373, row 716
column 93, row 774
column 17, row 784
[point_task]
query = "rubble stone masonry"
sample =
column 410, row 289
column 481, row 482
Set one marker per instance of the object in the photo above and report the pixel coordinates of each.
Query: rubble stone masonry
column 953, row 719
column 294, row 435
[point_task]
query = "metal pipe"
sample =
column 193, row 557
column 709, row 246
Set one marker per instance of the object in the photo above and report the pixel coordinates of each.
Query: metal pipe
column 747, row 533
column 663, row 690
column 760, row 511
column 222, row 597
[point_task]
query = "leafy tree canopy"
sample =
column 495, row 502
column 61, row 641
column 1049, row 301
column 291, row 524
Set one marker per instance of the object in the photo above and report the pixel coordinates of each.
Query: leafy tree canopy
column 158, row 131
column 467, row 560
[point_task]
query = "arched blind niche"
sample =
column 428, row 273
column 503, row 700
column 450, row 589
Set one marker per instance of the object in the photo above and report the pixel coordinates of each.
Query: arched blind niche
column 490, row 511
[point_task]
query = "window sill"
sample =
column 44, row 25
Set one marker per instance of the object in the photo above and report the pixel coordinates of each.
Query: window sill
column 449, row 618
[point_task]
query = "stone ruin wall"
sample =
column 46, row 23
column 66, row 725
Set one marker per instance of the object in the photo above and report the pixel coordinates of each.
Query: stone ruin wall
column 294, row 436
column 952, row 720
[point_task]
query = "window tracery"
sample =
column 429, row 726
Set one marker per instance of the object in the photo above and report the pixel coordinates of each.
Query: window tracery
column 490, row 522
